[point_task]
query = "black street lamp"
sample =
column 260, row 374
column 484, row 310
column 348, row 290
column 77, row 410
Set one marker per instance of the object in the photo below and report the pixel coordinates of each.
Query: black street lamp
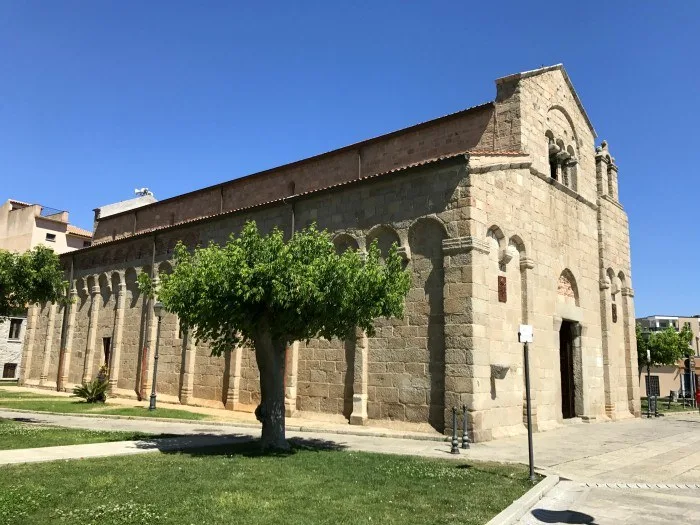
column 159, row 311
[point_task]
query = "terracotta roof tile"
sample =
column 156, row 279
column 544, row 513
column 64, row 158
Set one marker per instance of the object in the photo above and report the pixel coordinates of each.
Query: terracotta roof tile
column 74, row 230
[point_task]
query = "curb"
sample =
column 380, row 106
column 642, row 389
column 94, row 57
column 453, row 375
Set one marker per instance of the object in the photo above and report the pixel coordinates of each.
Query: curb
column 244, row 424
column 520, row 506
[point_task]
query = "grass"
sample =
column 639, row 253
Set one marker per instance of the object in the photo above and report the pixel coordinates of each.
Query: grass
column 16, row 435
column 662, row 406
column 64, row 405
column 235, row 484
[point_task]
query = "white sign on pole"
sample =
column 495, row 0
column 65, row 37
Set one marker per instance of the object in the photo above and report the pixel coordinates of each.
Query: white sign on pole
column 525, row 333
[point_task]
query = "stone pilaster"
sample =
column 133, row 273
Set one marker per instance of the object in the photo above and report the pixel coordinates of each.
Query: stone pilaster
column 48, row 346
column 631, row 351
column 612, row 182
column 360, row 379
column 187, row 388
column 234, row 380
column 527, row 304
column 467, row 360
column 68, row 341
column 291, row 373
column 92, row 333
column 115, row 358
column 30, row 339
column 150, row 347
column 601, row 168
column 605, row 309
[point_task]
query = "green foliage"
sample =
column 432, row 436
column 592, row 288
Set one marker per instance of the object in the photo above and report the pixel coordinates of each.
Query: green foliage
column 297, row 289
column 33, row 276
column 93, row 392
column 666, row 347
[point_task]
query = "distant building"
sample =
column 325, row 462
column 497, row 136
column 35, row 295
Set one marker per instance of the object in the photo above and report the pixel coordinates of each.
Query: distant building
column 672, row 377
column 144, row 197
column 22, row 227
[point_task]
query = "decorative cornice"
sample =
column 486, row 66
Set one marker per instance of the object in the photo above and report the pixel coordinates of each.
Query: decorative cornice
column 565, row 189
column 463, row 245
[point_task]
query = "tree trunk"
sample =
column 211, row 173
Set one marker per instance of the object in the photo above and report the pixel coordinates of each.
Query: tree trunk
column 270, row 356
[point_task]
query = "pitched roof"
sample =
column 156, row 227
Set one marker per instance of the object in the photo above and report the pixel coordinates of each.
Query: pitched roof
column 75, row 230
column 465, row 153
column 13, row 201
column 547, row 69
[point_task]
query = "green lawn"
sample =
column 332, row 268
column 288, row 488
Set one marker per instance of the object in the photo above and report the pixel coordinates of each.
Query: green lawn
column 235, row 484
column 662, row 406
column 46, row 403
column 16, row 435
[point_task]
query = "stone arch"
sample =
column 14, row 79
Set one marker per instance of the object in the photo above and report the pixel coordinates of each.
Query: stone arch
column 623, row 280
column 104, row 282
column 496, row 236
column 552, row 117
column 425, row 238
column 165, row 268
column 92, row 281
column 567, row 289
column 516, row 242
column 345, row 241
column 131, row 280
column 385, row 236
column 614, row 283
column 82, row 290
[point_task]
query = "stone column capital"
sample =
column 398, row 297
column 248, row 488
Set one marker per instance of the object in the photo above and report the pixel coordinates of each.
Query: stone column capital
column 526, row 263
column 456, row 245
column 627, row 291
column 95, row 290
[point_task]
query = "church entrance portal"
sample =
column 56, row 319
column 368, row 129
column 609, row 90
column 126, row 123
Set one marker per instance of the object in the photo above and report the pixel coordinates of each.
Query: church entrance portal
column 566, row 367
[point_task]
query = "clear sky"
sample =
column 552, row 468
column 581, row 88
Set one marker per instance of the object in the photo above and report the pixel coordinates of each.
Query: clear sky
column 98, row 98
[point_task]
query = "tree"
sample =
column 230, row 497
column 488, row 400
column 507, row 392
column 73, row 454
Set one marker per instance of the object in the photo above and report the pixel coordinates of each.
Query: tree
column 267, row 292
column 666, row 347
column 30, row 277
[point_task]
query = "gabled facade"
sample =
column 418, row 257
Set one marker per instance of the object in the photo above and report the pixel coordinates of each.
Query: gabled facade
column 505, row 213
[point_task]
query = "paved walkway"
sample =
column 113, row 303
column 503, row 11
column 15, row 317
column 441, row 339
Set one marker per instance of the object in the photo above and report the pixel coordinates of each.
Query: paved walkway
column 634, row 471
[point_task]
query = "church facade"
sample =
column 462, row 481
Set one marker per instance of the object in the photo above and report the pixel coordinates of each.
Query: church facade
column 505, row 213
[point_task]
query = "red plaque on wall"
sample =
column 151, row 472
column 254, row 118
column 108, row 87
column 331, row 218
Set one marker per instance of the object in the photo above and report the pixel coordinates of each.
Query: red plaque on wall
column 502, row 293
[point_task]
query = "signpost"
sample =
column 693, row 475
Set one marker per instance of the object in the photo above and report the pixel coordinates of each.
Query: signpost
column 525, row 337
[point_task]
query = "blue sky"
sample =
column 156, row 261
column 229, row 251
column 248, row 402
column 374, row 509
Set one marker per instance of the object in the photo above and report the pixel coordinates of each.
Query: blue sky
column 98, row 98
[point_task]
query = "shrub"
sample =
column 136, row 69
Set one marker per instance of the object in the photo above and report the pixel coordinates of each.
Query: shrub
column 96, row 390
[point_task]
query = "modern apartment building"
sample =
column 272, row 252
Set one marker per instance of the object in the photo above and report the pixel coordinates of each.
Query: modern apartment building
column 22, row 227
column 672, row 377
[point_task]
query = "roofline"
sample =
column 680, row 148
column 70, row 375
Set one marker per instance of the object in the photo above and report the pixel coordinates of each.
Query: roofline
column 286, row 200
column 560, row 67
column 349, row 147
column 671, row 316
column 86, row 236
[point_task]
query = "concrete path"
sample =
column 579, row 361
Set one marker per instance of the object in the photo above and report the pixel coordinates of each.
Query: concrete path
column 634, row 471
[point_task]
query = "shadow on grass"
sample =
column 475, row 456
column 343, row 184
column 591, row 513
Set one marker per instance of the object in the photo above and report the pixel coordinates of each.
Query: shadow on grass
column 563, row 516
column 234, row 445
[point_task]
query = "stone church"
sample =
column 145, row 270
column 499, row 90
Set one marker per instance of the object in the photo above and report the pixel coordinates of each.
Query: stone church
column 506, row 213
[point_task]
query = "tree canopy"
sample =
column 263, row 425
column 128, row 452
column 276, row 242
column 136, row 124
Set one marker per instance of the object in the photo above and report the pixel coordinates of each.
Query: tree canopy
column 33, row 276
column 268, row 292
column 666, row 347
